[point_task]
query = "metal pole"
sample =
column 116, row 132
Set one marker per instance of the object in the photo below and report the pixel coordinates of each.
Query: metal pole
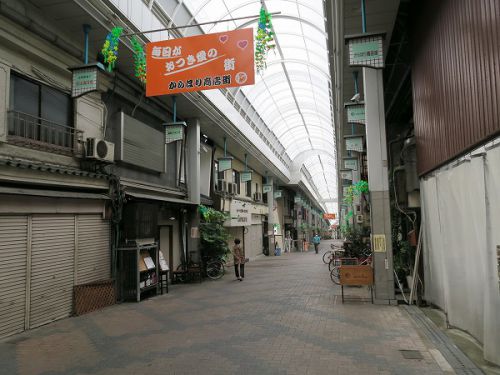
column 363, row 15
column 246, row 162
column 174, row 108
column 196, row 24
column 86, row 30
column 225, row 147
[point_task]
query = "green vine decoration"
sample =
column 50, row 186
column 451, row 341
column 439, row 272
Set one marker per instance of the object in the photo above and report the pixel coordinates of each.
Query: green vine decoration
column 214, row 235
column 139, row 60
column 110, row 48
column 264, row 40
column 361, row 187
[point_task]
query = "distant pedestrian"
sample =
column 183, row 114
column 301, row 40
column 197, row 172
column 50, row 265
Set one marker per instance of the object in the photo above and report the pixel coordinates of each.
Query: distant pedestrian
column 239, row 260
column 316, row 241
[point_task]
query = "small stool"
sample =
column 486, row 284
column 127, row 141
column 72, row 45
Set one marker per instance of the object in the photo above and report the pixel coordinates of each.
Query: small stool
column 163, row 280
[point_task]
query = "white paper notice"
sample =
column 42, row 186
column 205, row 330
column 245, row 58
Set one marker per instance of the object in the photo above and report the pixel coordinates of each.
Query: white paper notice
column 163, row 263
column 149, row 263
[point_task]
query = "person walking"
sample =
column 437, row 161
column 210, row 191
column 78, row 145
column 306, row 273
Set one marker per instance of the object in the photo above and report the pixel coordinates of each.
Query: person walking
column 316, row 241
column 239, row 260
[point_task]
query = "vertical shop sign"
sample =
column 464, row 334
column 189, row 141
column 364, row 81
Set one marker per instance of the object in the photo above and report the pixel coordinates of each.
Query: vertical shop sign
column 202, row 62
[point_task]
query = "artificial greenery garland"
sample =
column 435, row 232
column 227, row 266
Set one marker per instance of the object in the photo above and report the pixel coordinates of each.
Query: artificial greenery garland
column 264, row 40
column 110, row 48
column 139, row 60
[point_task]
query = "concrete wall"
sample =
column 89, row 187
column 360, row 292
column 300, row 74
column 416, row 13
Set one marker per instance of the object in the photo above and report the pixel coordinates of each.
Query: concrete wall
column 461, row 217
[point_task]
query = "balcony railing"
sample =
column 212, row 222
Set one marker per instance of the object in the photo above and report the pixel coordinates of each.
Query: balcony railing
column 36, row 132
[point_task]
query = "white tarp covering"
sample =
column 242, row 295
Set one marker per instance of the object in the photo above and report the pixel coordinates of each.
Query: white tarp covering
column 461, row 218
column 491, row 289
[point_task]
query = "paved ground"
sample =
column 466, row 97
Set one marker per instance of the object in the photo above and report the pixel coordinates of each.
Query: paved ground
column 285, row 318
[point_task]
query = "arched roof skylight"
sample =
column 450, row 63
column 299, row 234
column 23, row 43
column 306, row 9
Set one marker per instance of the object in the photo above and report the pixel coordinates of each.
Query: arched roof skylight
column 293, row 95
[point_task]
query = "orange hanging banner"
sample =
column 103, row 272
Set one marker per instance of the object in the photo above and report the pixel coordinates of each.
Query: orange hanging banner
column 329, row 216
column 202, row 62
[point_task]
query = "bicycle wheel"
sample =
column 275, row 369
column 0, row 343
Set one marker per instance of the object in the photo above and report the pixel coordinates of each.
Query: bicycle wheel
column 326, row 256
column 335, row 275
column 334, row 261
column 215, row 270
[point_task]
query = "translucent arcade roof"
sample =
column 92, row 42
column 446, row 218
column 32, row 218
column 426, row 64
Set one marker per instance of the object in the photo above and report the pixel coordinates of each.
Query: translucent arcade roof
column 293, row 95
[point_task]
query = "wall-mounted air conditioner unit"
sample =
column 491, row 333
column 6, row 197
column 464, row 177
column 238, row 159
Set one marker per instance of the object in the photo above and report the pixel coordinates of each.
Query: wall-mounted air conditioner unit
column 221, row 186
column 231, row 189
column 100, row 149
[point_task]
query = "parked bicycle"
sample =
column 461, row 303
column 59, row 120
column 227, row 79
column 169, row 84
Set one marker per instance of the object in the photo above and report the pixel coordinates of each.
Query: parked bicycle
column 215, row 266
column 188, row 271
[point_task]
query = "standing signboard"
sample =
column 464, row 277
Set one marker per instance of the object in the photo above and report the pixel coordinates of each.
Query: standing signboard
column 202, row 62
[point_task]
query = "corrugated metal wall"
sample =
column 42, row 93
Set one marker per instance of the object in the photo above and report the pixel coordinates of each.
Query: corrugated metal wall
column 455, row 74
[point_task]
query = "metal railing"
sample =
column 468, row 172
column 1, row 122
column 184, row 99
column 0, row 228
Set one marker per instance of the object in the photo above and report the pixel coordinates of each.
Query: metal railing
column 36, row 132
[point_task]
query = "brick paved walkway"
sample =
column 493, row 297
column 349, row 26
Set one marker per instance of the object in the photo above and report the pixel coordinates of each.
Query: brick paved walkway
column 285, row 318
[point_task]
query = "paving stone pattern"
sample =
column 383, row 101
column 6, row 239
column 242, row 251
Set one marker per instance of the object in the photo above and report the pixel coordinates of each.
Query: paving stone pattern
column 286, row 317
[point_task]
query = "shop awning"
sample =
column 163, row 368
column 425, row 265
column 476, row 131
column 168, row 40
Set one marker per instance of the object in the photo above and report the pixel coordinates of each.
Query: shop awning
column 155, row 196
column 52, row 193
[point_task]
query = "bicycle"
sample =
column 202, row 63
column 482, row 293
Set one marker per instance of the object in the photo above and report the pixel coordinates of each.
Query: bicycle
column 215, row 267
column 329, row 254
column 187, row 271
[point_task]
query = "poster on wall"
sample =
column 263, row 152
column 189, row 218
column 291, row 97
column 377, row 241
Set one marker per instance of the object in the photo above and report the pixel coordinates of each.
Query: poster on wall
column 202, row 62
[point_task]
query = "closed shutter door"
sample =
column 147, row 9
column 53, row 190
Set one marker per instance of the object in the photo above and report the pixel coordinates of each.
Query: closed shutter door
column 52, row 268
column 13, row 252
column 256, row 239
column 93, row 252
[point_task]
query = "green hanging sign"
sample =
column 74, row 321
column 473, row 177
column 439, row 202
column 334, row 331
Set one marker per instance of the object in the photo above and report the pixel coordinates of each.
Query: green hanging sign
column 366, row 50
column 278, row 194
column 267, row 188
column 246, row 176
column 225, row 164
column 356, row 114
column 351, row 164
column 174, row 131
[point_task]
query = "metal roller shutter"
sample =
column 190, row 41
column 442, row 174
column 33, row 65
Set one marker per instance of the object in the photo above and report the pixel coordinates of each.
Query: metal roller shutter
column 13, row 257
column 52, row 268
column 93, row 251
